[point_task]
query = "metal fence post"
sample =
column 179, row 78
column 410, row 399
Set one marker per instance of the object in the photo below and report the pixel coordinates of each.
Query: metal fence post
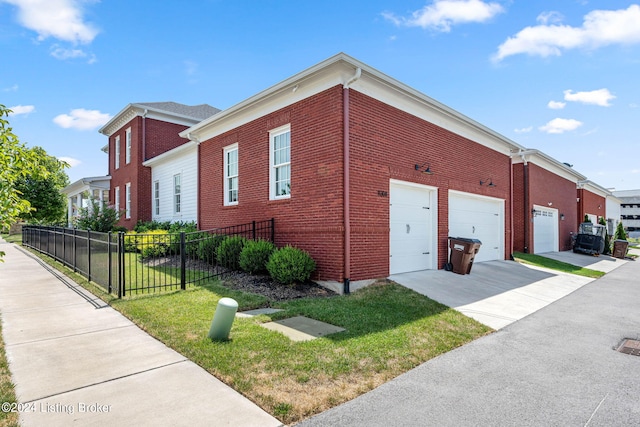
column 183, row 262
column 273, row 230
column 75, row 251
column 89, row 255
column 253, row 230
column 109, row 263
column 121, row 264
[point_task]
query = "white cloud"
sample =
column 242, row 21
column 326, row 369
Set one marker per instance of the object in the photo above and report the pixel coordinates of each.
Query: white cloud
column 64, row 53
column 549, row 17
column 560, row 126
column 599, row 97
column 21, row 109
column 556, row 105
column 600, row 28
column 82, row 119
column 524, row 130
column 442, row 14
column 13, row 88
column 70, row 160
column 60, row 19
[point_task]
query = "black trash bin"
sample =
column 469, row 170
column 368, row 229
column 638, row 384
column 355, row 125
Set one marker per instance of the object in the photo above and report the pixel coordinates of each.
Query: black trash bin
column 463, row 252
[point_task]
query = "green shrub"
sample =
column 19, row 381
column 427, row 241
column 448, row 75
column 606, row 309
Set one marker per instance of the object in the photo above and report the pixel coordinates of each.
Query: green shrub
column 208, row 247
column 290, row 265
column 255, row 255
column 228, row 253
column 620, row 234
column 154, row 243
column 131, row 241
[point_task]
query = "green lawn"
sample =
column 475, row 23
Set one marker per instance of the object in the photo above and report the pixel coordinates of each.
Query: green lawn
column 553, row 264
column 389, row 330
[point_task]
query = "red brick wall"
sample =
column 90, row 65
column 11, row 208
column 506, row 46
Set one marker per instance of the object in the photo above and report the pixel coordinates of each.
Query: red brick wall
column 312, row 218
column 547, row 187
column 590, row 203
column 160, row 137
column 385, row 143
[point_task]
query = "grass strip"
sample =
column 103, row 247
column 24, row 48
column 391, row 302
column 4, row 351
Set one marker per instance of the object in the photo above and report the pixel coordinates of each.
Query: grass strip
column 553, row 264
column 7, row 391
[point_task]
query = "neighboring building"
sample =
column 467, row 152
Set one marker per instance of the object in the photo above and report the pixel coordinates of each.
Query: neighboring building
column 629, row 208
column 614, row 212
column 174, row 184
column 138, row 133
column 368, row 175
column 544, row 203
column 592, row 201
column 80, row 193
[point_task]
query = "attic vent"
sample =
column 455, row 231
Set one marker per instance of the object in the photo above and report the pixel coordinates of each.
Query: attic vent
column 630, row 346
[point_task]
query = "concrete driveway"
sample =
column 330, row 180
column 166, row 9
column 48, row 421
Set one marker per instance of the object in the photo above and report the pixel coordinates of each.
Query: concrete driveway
column 497, row 293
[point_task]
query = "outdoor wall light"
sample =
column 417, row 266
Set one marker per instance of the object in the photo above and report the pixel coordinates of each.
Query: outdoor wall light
column 427, row 170
column 487, row 181
column 561, row 217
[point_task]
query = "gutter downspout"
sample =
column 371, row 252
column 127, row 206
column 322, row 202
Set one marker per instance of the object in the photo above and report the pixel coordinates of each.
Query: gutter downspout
column 144, row 135
column 511, row 207
column 527, row 211
column 347, row 181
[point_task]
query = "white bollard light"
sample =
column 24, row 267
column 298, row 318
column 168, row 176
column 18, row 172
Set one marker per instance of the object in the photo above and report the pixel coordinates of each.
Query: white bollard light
column 223, row 319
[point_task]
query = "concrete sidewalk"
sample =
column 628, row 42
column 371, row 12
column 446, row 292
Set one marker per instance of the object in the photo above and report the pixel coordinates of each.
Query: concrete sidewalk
column 75, row 360
column 498, row 293
column 555, row 367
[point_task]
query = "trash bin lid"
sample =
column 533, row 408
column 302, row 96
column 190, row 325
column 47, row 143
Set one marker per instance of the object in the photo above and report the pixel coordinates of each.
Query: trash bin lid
column 466, row 240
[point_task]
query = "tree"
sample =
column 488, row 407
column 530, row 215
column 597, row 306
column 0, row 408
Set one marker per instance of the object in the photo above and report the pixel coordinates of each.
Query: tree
column 607, row 238
column 620, row 234
column 97, row 218
column 16, row 162
column 586, row 218
column 44, row 194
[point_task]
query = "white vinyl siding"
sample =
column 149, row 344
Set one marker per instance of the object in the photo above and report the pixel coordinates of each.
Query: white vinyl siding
column 116, row 154
column 127, row 154
column 127, row 197
column 280, row 163
column 231, row 175
column 162, row 171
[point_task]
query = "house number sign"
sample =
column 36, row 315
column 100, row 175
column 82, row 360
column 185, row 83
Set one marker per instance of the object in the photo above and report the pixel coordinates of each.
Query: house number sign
column 382, row 193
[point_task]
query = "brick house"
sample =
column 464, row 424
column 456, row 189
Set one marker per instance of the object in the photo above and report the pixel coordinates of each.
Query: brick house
column 544, row 200
column 592, row 201
column 138, row 133
column 365, row 173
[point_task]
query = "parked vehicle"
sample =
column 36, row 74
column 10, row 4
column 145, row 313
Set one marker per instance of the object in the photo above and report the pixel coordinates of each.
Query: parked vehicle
column 590, row 239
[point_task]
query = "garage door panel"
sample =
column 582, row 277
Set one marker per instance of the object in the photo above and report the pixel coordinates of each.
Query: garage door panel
column 545, row 230
column 479, row 218
column 410, row 228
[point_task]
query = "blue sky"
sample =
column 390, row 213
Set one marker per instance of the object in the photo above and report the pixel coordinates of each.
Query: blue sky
column 558, row 76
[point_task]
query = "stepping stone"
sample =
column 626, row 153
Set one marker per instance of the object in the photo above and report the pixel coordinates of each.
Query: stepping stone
column 258, row 312
column 302, row 328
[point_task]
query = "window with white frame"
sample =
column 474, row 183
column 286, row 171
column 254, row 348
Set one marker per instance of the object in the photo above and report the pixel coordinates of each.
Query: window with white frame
column 127, row 200
column 280, row 162
column 156, row 197
column 127, row 154
column 116, row 155
column 116, row 196
column 231, row 175
column 176, row 194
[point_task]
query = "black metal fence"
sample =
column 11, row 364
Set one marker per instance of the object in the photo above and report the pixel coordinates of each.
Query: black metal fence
column 132, row 263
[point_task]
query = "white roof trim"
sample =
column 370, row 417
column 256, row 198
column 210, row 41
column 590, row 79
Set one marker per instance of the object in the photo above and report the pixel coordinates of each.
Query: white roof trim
column 338, row 70
column 547, row 162
column 182, row 149
column 594, row 188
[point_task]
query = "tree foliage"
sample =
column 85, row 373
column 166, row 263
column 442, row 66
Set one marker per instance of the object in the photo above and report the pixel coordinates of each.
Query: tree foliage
column 620, row 234
column 44, row 193
column 17, row 161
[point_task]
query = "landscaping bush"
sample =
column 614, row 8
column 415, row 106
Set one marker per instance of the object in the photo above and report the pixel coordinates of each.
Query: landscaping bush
column 228, row 253
column 208, row 247
column 131, row 241
column 290, row 265
column 255, row 255
column 154, row 243
column 620, row 234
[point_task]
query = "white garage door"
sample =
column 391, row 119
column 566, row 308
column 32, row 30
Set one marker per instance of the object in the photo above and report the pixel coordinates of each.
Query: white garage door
column 411, row 225
column 477, row 217
column 545, row 229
